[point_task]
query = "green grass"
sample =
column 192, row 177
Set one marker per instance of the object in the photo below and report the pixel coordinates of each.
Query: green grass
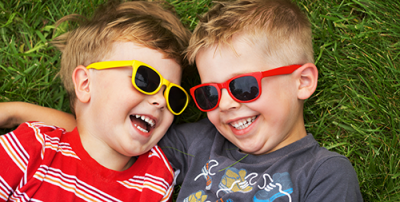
column 355, row 110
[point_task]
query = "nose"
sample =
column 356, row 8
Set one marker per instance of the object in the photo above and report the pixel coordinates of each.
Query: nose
column 158, row 99
column 227, row 102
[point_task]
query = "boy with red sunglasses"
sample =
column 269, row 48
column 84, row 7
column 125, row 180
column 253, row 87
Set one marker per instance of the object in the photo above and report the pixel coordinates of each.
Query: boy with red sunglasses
column 122, row 70
column 255, row 60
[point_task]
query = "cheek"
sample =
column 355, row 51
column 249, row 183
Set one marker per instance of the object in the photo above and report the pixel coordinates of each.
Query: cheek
column 213, row 116
column 275, row 103
column 278, row 91
column 272, row 104
column 168, row 119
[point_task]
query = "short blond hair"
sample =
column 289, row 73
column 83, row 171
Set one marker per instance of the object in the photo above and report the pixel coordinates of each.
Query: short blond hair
column 141, row 22
column 279, row 27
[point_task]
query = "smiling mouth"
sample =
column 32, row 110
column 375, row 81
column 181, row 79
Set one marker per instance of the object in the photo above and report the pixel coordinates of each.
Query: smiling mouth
column 243, row 123
column 142, row 122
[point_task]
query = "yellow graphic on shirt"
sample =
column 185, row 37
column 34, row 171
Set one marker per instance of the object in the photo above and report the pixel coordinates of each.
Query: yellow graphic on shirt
column 196, row 197
column 234, row 181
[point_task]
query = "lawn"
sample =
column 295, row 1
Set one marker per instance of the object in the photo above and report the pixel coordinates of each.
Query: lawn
column 355, row 110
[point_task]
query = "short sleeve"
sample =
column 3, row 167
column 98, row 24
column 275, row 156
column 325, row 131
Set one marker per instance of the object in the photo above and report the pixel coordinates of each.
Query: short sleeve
column 17, row 149
column 334, row 180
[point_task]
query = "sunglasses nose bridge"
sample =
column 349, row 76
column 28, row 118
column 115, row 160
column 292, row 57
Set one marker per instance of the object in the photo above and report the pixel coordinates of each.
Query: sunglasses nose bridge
column 224, row 85
column 166, row 83
column 226, row 101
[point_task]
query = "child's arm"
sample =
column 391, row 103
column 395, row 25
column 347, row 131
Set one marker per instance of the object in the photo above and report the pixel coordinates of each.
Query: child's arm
column 15, row 113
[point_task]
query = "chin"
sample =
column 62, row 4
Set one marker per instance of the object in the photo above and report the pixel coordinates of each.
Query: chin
column 253, row 149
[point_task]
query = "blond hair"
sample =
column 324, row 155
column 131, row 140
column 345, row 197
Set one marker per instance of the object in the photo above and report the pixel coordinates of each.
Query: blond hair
column 145, row 23
column 279, row 27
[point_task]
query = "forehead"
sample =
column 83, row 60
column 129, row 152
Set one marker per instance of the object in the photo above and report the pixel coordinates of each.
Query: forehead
column 167, row 67
column 219, row 63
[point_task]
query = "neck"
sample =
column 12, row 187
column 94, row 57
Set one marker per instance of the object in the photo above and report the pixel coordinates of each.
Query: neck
column 103, row 153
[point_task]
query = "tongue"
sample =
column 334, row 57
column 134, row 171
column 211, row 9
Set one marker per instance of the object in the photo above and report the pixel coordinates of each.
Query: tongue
column 139, row 122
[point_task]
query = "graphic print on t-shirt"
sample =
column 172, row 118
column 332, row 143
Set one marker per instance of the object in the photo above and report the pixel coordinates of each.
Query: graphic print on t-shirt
column 241, row 181
column 206, row 173
column 234, row 180
column 280, row 186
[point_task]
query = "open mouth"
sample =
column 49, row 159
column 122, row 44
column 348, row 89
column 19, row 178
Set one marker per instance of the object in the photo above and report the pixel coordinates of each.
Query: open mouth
column 142, row 122
column 243, row 123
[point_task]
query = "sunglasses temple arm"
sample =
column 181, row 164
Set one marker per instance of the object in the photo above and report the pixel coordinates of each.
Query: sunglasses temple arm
column 281, row 70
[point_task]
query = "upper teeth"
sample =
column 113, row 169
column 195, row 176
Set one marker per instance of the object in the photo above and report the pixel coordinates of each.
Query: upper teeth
column 146, row 119
column 244, row 123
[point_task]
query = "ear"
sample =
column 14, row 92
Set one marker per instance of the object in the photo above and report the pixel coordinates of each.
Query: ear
column 80, row 77
column 307, row 77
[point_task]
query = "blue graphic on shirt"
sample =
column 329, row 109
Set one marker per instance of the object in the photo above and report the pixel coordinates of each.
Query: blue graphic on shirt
column 280, row 185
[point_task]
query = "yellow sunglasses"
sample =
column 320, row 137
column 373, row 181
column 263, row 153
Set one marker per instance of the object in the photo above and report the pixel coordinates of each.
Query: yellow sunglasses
column 149, row 81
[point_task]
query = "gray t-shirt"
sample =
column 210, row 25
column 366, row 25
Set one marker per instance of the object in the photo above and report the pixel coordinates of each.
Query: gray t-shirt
column 213, row 169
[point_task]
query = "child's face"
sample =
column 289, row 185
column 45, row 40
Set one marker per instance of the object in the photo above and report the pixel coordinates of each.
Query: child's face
column 128, row 121
column 272, row 121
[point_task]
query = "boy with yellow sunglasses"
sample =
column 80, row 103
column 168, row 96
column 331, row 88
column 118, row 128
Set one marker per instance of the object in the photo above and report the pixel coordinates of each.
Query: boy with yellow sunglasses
column 123, row 82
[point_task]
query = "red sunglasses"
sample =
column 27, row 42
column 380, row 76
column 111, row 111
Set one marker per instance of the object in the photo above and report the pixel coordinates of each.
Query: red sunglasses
column 242, row 88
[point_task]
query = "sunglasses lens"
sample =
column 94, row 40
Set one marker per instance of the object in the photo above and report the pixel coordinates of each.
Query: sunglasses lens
column 244, row 88
column 177, row 99
column 206, row 97
column 146, row 79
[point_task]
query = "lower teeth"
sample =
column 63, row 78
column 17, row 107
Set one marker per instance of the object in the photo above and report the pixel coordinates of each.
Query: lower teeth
column 141, row 129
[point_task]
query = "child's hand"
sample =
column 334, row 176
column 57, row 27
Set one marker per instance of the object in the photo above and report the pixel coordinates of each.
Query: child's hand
column 9, row 114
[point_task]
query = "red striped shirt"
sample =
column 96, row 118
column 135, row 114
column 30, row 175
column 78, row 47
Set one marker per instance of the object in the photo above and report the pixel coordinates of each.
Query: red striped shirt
column 46, row 163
